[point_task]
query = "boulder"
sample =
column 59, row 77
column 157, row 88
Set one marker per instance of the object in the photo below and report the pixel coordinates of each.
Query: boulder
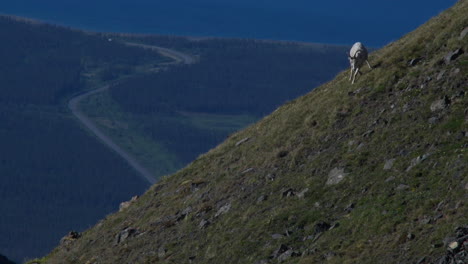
column 414, row 61
column 402, row 187
column 70, row 238
column 125, row 234
column 242, row 141
column 288, row 254
column 440, row 75
column 204, row 223
column 262, row 198
column 277, row 236
column 440, row 104
column 288, row 192
column 162, row 252
column 281, row 249
column 464, row 33
column 336, row 176
column 389, row 164
column 453, row 55
column 302, row 193
column 125, row 205
column 224, row 209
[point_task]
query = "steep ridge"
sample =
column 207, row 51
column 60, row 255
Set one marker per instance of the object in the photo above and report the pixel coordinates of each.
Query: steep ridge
column 375, row 172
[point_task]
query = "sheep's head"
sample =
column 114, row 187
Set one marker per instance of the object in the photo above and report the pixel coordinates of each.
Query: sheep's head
column 352, row 61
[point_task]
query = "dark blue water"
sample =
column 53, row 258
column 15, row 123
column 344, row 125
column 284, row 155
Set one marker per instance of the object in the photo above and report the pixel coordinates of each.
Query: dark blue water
column 334, row 21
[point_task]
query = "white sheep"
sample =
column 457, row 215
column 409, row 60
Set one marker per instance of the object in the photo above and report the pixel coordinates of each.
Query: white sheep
column 357, row 56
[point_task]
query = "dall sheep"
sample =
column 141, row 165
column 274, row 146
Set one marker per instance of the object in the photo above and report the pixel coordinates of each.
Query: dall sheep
column 357, row 56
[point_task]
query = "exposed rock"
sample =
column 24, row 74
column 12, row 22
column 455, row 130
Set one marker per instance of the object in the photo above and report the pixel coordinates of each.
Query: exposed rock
column 389, row 179
column 440, row 104
column 433, row 120
column 69, row 238
column 197, row 185
column 421, row 260
column 288, row 254
column 439, row 206
column 455, row 71
column 417, row 161
column 242, row 141
column 402, row 187
column 440, row 75
column 166, row 221
column 389, row 164
column 262, row 198
column 302, row 193
column 321, row 227
column 248, row 170
column 349, row 208
column 181, row 215
column 336, row 176
column 457, row 248
column 282, row 248
column 204, row 223
column 453, row 55
column 125, row 205
column 270, row 177
column 368, row 133
column 360, row 146
column 461, row 231
column 125, row 234
column 288, row 192
column 426, row 220
column 454, row 246
column 277, row 236
column 464, row 33
column 438, row 216
column 162, row 252
column 414, row 61
column 437, row 245
column 329, row 255
column 334, row 225
column 224, row 209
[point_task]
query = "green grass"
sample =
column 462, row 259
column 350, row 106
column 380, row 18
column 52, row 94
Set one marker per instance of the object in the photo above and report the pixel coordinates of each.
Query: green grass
column 328, row 128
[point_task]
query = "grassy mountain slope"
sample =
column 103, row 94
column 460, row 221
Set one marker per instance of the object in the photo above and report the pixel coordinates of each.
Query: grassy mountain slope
column 398, row 137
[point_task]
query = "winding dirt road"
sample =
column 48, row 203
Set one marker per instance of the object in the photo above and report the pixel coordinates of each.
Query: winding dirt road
column 74, row 106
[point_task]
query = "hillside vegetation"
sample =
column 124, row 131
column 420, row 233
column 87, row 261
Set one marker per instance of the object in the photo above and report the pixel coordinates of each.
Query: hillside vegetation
column 374, row 172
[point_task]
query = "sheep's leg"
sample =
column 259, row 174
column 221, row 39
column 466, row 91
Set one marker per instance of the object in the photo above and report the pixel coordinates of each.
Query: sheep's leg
column 351, row 73
column 368, row 64
column 354, row 77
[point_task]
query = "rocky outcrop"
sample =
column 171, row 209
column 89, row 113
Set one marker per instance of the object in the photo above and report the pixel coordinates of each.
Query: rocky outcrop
column 456, row 248
column 336, row 176
column 125, row 205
